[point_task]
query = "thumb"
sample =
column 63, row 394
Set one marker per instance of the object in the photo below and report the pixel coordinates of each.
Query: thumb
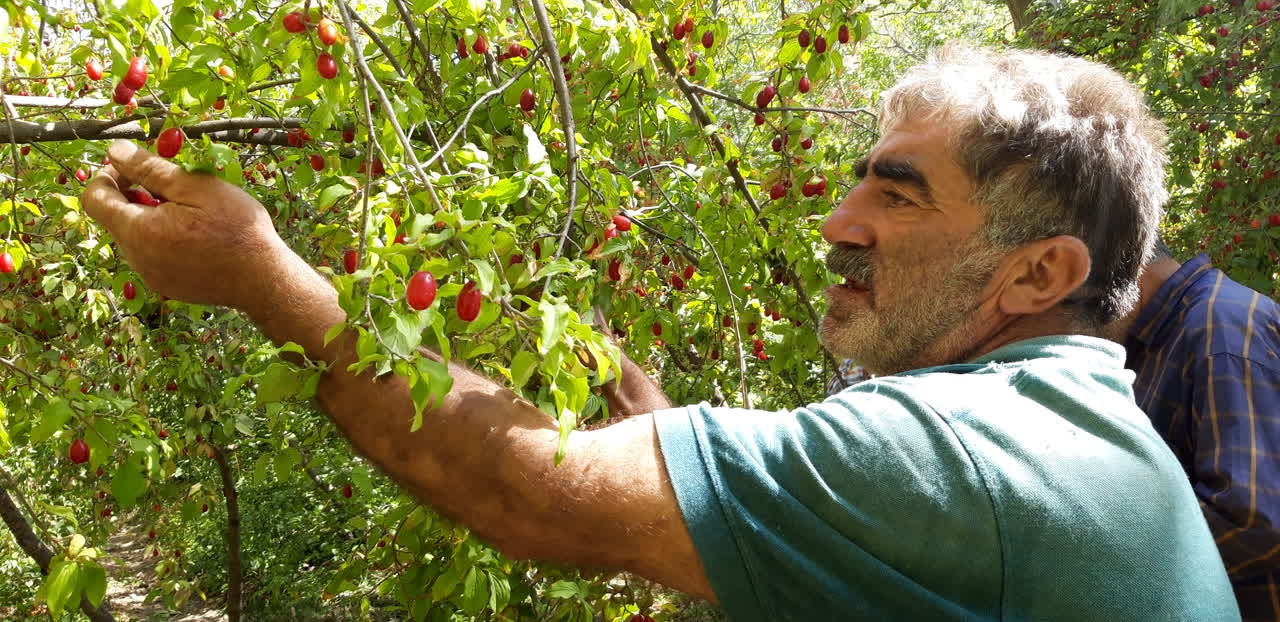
column 158, row 175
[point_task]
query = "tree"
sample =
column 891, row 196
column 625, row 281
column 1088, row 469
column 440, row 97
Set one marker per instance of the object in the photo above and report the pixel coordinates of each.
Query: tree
column 505, row 150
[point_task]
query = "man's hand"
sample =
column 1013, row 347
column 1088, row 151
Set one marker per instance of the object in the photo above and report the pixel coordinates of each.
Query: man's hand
column 209, row 243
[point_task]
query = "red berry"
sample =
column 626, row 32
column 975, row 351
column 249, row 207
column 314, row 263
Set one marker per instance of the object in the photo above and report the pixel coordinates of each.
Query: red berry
column 777, row 144
column 129, row 290
column 346, row 490
column 527, row 100
column 621, row 222
column 481, row 45
column 807, row 143
column 317, row 162
column 765, row 96
column 348, row 136
column 820, row 44
column 1237, row 238
column 803, row 39
column 79, row 452
column 1223, row 31
column 677, row 31
column 81, row 174
column 804, row 84
column 1204, row 10
column 327, row 31
column 294, row 22
column 163, row 434
column 843, row 35
column 1274, row 220
column 171, row 387
column 218, row 14
column 1256, row 224
column 220, row 103
column 657, row 329
column 169, row 143
column 327, row 67
column 136, row 77
column 462, row 48
column 122, row 95
column 421, row 291
column 468, row 303
column 688, row 272
column 816, row 186
column 1264, row 5
column 351, row 261
column 759, row 120
column 688, row 25
column 1242, row 135
column 93, row 68
column 708, row 39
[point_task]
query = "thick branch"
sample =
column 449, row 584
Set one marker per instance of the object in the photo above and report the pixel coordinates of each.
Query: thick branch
column 566, row 115
column 40, row 553
column 235, row 578
column 95, row 129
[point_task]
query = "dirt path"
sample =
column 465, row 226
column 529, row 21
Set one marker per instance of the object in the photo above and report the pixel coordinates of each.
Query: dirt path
column 131, row 573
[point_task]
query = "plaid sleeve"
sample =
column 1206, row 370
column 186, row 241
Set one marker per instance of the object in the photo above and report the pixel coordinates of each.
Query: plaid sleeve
column 1236, row 471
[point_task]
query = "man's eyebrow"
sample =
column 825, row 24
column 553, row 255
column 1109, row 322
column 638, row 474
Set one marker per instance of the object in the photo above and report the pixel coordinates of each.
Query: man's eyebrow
column 897, row 170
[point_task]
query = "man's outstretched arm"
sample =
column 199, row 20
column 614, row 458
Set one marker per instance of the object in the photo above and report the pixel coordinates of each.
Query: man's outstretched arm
column 484, row 458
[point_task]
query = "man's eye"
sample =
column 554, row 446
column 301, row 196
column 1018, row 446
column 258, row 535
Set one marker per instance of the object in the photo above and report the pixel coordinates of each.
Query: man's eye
column 897, row 200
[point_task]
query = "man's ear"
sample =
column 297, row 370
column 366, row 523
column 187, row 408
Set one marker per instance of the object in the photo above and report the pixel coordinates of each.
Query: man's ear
column 1040, row 274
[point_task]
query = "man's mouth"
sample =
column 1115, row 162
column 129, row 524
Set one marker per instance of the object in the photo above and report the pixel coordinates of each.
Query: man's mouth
column 854, row 284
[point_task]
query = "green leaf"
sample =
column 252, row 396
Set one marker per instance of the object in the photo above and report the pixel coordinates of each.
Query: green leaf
column 522, row 368
column 485, row 276
column 56, row 415
column 446, row 583
column 555, row 318
column 434, row 382
column 286, row 461
column 564, row 589
column 332, row 194
column 62, row 585
column 475, row 591
column 280, row 381
column 127, row 483
column 534, row 150
column 402, row 334
column 93, row 581
column 499, row 591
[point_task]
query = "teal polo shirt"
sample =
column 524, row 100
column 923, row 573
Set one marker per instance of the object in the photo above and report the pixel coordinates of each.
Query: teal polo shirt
column 1025, row 485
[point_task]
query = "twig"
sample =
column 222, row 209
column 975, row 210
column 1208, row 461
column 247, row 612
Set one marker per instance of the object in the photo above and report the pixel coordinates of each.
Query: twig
column 566, row 117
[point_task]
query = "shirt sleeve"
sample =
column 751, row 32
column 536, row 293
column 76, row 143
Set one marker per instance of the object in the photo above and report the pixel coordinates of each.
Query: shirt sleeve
column 833, row 510
column 1236, row 475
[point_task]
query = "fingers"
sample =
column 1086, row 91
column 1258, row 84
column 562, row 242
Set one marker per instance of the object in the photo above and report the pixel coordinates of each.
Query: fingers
column 104, row 202
column 158, row 175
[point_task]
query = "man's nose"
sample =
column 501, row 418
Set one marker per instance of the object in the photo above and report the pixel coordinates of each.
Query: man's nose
column 848, row 223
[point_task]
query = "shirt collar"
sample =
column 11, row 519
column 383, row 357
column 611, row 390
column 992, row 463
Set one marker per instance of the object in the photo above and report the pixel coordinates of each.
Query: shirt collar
column 1156, row 315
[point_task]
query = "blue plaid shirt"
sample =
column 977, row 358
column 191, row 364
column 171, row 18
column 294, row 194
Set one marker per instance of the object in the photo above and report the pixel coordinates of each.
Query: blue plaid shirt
column 1206, row 351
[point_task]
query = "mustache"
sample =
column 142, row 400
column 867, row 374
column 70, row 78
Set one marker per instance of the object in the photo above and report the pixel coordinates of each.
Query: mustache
column 852, row 262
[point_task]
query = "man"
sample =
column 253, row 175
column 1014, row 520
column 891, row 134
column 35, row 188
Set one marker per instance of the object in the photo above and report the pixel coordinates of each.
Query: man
column 1207, row 355
column 997, row 469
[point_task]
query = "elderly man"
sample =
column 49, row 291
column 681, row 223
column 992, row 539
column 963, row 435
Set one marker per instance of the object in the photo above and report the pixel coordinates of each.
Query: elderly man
column 1206, row 351
column 996, row 469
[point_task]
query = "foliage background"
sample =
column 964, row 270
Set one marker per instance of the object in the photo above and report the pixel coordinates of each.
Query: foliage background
column 478, row 189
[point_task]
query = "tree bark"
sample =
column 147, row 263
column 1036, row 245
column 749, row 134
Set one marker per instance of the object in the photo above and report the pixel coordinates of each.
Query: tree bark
column 235, row 567
column 38, row 551
column 1018, row 11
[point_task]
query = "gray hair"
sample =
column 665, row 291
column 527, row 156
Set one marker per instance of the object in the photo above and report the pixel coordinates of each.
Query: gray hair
column 1053, row 146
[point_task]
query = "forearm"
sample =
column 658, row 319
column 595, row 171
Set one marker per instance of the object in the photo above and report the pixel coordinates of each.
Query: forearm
column 486, row 458
column 456, row 461
column 635, row 393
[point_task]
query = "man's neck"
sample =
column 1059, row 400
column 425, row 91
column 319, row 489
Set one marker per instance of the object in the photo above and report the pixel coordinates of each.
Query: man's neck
column 1153, row 278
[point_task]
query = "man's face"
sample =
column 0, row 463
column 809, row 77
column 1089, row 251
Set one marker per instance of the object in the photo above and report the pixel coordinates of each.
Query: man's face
column 907, row 241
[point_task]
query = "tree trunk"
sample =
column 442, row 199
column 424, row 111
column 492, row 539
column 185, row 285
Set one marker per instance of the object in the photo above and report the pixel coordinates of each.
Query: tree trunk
column 1018, row 10
column 235, row 579
column 31, row 544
